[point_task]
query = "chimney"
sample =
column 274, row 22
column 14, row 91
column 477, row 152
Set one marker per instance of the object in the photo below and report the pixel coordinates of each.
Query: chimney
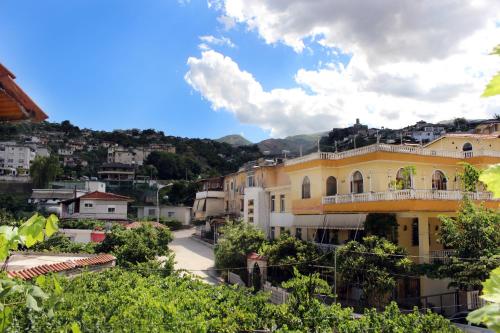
column 357, row 121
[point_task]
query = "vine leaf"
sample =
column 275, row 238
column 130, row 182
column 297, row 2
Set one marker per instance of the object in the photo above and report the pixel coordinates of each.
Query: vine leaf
column 51, row 225
column 491, row 177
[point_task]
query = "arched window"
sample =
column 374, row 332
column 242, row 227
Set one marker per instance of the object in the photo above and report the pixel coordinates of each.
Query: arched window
column 357, row 182
column 306, row 188
column 331, row 186
column 467, row 146
column 403, row 179
column 438, row 180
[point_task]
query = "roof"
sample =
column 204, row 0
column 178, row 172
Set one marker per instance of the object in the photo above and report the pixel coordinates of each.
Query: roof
column 15, row 104
column 96, row 195
column 135, row 225
column 465, row 135
column 60, row 194
column 37, row 270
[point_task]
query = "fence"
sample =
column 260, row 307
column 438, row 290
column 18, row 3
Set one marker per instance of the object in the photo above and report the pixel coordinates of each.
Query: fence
column 474, row 301
column 278, row 295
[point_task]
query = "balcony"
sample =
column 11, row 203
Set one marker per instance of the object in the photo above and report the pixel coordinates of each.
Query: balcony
column 381, row 147
column 409, row 194
column 441, row 256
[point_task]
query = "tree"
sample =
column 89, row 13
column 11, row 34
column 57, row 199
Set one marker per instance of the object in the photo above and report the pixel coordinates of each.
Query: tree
column 493, row 87
column 373, row 266
column 382, row 225
column 489, row 314
column 475, row 236
column 135, row 246
column 286, row 254
column 469, row 177
column 239, row 239
column 44, row 170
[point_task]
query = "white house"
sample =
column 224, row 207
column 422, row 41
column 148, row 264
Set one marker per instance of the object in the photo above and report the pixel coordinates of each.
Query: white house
column 96, row 205
column 179, row 213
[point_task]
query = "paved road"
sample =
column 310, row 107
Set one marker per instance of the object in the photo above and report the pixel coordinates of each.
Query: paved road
column 193, row 255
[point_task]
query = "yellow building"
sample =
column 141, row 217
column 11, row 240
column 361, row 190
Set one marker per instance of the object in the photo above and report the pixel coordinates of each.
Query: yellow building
column 330, row 194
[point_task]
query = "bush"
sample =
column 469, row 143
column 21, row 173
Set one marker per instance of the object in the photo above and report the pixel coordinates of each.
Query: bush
column 86, row 224
column 61, row 243
column 134, row 246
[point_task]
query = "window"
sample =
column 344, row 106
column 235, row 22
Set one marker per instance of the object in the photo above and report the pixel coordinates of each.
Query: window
column 170, row 214
column 10, row 160
column 439, row 181
column 403, row 179
column 88, row 205
column 414, row 232
column 467, row 146
column 250, row 181
column 331, row 186
column 298, row 233
column 250, row 202
column 272, row 233
column 226, row 206
column 357, row 182
column 306, row 188
column 21, row 161
column 111, row 209
column 282, row 230
column 232, row 186
column 250, row 219
column 272, row 203
column 282, row 203
column 151, row 212
column 242, row 205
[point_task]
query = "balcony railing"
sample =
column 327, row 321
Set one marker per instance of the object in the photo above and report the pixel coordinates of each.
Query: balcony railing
column 442, row 256
column 393, row 149
column 409, row 194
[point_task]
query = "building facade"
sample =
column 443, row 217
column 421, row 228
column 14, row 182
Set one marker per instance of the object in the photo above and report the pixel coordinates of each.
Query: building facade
column 96, row 205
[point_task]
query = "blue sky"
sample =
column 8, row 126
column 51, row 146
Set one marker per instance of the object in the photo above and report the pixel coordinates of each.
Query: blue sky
column 292, row 67
column 121, row 64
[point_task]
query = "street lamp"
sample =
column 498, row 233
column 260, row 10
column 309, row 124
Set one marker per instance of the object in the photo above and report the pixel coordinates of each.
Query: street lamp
column 159, row 187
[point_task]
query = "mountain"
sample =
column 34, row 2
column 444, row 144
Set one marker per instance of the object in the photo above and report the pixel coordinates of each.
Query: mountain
column 234, row 140
column 293, row 144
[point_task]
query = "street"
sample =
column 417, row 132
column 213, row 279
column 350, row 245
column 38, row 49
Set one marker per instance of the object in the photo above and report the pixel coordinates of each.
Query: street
column 193, row 256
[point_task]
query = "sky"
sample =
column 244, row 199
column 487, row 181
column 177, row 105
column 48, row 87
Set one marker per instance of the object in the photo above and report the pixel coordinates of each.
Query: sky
column 260, row 68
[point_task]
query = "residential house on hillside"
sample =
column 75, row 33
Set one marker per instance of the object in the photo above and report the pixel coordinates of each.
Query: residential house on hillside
column 488, row 127
column 16, row 158
column 117, row 174
column 209, row 201
column 96, row 205
column 178, row 213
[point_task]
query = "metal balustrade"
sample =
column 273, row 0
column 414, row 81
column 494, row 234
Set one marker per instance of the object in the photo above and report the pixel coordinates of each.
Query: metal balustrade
column 409, row 194
column 382, row 147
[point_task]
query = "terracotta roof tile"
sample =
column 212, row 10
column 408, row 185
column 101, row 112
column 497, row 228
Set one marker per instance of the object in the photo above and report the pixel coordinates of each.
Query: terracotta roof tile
column 32, row 272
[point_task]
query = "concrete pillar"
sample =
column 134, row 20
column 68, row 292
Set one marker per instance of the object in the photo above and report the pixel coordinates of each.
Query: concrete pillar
column 423, row 239
column 423, row 251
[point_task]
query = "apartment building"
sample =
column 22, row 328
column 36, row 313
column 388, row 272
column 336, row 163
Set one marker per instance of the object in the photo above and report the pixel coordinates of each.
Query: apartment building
column 16, row 158
column 117, row 174
column 137, row 155
column 326, row 197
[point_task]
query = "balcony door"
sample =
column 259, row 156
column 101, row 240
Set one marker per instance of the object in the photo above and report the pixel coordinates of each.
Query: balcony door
column 439, row 181
column 357, row 183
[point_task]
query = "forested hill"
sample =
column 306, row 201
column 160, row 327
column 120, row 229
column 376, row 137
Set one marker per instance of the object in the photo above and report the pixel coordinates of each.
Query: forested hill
column 193, row 158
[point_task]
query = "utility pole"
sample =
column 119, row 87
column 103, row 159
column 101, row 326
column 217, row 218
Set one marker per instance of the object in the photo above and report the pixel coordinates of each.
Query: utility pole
column 335, row 274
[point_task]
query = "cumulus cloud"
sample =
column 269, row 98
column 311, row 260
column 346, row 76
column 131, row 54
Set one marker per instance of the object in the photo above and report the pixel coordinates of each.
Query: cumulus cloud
column 411, row 60
column 209, row 40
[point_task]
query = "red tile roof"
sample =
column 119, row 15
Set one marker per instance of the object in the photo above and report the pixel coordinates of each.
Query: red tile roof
column 135, row 225
column 30, row 273
column 13, row 92
column 105, row 196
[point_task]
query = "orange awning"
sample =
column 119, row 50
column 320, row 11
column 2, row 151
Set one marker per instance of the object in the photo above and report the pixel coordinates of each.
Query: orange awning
column 15, row 104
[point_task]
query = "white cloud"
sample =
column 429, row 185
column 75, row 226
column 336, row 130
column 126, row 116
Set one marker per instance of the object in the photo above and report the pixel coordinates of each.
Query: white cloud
column 215, row 41
column 411, row 60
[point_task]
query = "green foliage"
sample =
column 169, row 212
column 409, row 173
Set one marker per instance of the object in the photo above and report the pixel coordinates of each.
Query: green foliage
column 119, row 300
column 59, row 242
column 490, row 313
column 134, row 246
column 407, row 173
column 16, row 205
column 13, row 292
column 491, row 177
column 174, row 166
column 239, row 240
column 469, row 177
column 44, row 170
column 86, row 224
column 475, row 235
column 382, row 225
column 180, row 193
column 493, row 87
column 289, row 253
column 373, row 266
